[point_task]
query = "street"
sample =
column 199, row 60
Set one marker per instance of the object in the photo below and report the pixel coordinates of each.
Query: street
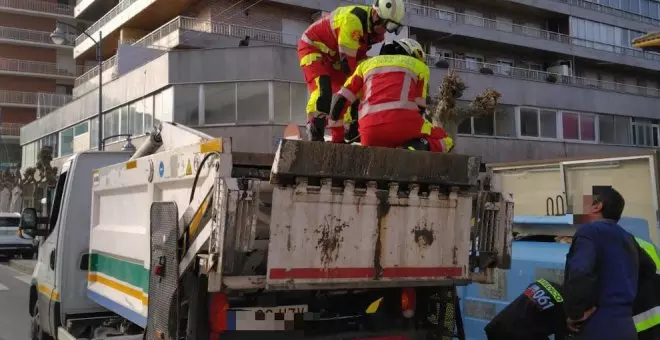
column 14, row 293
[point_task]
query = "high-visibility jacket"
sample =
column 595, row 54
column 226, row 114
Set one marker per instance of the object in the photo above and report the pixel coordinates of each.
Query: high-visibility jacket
column 345, row 32
column 390, row 84
column 648, row 299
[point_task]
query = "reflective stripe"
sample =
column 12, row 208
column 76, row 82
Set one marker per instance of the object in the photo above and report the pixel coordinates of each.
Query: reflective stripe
column 427, row 127
column 371, row 71
column 650, row 249
column 420, row 101
column 313, row 98
column 319, row 45
column 310, row 58
column 347, row 51
column 346, row 93
column 334, row 123
column 371, row 109
column 648, row 319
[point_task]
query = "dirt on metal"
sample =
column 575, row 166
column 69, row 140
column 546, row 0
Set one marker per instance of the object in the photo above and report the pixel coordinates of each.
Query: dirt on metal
column 330, row 239
column 382, row 209
column 424, row 237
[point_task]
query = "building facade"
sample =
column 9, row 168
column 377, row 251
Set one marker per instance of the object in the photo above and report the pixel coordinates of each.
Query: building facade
column 571, row 83
column 36, row 75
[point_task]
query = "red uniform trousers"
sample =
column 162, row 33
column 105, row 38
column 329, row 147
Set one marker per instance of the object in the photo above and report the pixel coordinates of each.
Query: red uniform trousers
column 391, row 129
column 323, row 77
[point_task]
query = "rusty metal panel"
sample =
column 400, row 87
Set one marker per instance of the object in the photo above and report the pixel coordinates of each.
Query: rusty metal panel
column 326, row 236
column 296, row 158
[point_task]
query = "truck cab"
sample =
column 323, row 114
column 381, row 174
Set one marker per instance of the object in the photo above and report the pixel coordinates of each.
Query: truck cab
column 66, row 240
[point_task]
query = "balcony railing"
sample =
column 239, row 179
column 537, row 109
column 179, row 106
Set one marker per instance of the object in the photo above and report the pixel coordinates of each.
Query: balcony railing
column 10, row 129
column 19, row 34
column 38, row 6
column 541, row 76
column 37, row 67
column 611, row 10
column 154, row 39
column 525, row 31
column 124, row 4
column 47, row 100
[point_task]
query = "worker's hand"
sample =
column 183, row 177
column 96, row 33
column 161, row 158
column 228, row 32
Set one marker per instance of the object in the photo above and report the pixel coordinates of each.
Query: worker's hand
column 574, row 325
column 317, row 127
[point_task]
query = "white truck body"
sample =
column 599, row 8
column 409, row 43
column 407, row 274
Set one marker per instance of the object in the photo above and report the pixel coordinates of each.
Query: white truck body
column 134, row 228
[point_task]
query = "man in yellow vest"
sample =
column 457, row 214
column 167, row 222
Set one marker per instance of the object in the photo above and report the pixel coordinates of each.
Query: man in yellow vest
column 646, row 308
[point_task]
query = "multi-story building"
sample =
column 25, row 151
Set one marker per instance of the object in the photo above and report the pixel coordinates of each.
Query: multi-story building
column 571, row 83
column 36, row 75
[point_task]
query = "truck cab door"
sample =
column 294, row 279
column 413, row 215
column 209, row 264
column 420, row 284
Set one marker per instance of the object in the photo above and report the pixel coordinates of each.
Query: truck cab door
column 48, row 296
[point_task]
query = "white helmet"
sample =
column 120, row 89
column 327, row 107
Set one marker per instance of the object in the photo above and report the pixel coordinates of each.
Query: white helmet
column 392, row 12
column 412, row 47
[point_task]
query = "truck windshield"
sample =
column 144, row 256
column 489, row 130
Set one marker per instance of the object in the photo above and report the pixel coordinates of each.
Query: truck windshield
column 9, row 221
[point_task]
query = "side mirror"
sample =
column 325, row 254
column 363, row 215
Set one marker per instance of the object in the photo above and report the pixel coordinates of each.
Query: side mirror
column 29, row 224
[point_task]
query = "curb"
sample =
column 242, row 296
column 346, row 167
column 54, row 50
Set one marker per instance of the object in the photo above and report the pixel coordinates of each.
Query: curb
column 24, row 266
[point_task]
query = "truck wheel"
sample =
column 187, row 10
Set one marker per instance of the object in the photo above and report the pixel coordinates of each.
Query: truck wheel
column 36, row 333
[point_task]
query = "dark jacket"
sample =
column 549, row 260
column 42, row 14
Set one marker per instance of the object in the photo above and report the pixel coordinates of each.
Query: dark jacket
column 602, row 268
column 647, row 302
column 535, row 315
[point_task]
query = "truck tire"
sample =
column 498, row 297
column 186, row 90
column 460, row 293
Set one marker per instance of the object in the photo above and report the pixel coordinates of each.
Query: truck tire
column 36, row 333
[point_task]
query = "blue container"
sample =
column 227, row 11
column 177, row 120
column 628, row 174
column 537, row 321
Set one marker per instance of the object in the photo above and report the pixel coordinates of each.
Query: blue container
column 530, row 261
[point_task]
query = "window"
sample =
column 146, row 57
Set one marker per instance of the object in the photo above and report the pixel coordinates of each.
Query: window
column 299, row 96
column 93, row 132
column 473, row 62
column 645, row 132
column 124, row 120
column 501, row 124
column 111, row 125
column 282, row 102
column 66, row 142
column 9, row 221
column 137, row 118
column 252, row 104
column 538, row 123
column 186, row 104
column 579, row 126
column 220, row 103
column 504, row 67
column 614, row 129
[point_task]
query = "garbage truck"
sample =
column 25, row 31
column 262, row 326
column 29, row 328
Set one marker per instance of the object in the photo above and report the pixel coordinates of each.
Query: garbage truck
column 188, row 239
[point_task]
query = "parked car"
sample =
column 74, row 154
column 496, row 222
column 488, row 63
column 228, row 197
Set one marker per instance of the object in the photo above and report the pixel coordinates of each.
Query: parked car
column 11, row 244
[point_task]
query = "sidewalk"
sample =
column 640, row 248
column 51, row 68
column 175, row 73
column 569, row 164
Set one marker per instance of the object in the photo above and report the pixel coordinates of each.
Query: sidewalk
column 24, row 266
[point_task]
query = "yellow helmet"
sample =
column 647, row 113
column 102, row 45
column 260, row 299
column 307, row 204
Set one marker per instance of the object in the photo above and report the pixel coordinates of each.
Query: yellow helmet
column 392, row 13
column 413, row 48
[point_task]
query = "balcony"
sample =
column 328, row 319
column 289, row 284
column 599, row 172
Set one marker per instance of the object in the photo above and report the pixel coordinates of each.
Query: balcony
column 27, row 68
column 434, row 19
column 37, row 8
column 537, row 88
column 10, row 129
column 186, row 32
column 41, row 101
column 19, row 36
column 143, row 14
column 592, row 6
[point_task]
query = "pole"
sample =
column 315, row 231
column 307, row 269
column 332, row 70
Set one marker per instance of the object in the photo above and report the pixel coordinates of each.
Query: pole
column 99, row 59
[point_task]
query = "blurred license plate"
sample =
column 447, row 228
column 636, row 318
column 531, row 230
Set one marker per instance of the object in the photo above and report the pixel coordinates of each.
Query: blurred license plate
column 288, row 311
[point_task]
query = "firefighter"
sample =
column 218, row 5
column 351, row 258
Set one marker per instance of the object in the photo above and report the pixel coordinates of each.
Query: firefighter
column 535, row 315
column 646, row 308
column 331, row 48
column 393, row 87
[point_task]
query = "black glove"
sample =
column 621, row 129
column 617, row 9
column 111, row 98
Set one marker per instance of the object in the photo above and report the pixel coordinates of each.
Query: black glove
column 317, row 128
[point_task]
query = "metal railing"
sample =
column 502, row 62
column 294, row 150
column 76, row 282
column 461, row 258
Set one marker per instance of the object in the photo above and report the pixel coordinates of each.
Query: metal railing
column 611, row 10
column 155, row 38
column 10, row 129
column 477, row 21
column 39, row 6
column 542, row 76
column 19, row 34
column 37, row 67
column 51, row 100
column 105, row 19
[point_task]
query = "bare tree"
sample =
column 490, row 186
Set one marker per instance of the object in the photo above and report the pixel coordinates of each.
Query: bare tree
column 35, row 179
column 444, row 112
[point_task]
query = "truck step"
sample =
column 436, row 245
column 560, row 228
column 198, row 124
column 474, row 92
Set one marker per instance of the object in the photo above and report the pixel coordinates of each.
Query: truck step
column 295, row 158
